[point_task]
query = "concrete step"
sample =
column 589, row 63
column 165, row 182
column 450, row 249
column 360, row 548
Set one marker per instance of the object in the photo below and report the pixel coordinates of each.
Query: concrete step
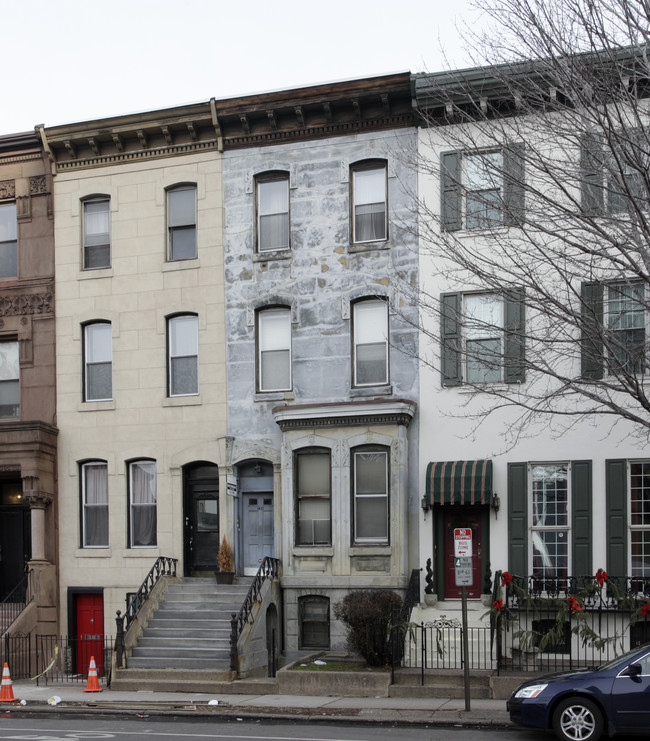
column 167, row 662
column 214, row 681
column 193, row 633
column 215, row 642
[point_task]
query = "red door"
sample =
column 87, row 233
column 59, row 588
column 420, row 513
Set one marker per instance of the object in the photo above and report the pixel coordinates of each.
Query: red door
column 90, row 632
column 467, row 517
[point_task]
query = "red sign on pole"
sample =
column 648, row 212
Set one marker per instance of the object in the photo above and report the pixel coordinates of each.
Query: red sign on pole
column 463, row 542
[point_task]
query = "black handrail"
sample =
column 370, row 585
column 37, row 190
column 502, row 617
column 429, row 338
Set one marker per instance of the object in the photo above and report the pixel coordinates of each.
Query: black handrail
column 164, row 566
column 269, row 569
column 15, row 602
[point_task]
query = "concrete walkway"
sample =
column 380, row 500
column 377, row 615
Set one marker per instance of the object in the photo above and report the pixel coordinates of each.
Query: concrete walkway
column 72, row 700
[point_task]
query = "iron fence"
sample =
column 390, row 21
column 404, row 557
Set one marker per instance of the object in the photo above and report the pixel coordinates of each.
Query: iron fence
column 15, row 602
column 50, row 659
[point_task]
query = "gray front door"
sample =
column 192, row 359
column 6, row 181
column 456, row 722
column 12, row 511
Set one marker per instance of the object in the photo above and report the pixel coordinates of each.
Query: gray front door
column 257, row 533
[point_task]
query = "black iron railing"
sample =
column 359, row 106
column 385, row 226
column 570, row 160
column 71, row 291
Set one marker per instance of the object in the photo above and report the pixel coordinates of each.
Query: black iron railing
column 164, row 566
column 15, row 602
column 49, row 659
column 269, row 569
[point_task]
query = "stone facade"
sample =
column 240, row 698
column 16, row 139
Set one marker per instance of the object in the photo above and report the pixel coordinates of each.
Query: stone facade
column 28, row 433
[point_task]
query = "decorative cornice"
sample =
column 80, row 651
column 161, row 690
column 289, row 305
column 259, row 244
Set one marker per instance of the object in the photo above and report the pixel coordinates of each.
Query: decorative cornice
column 25, row 304
column 345, row 414
column 7, row 189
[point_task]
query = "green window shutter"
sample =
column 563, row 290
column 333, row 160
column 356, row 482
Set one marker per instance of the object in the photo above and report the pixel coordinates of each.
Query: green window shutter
column 514, row 184
column 591, row 343
column 450, row 207
column 518, row 518
column 591, row 173
column 515, row 337
column 450, row 339
column 581, row 518
column 616, row 499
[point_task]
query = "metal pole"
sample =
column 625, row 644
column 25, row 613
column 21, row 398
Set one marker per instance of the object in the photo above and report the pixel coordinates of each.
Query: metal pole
column 463, row 593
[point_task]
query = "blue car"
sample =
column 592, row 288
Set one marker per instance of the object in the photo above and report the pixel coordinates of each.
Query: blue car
column 580, row 705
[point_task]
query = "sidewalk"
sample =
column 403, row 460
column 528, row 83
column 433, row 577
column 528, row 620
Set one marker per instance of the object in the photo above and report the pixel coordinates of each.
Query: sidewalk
column 73, row 700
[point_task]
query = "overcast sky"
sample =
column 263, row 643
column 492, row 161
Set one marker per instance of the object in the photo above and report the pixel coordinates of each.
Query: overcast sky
column 76, row 60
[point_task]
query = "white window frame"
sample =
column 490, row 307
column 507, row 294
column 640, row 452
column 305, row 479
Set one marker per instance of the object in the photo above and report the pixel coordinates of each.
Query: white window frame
column 358, row 497
column 307, row 497
column 99, row 239
column 273, row 336
column 175, row 225
column 90, row 361
column 174, row 353
column 639, row 318
column 638, row 528
column 9, row 240
column 261, row 183
column 482, row 327
column 150, row 466
column 563, row 530
column 10, row 378
column 361, row 171
column 479, row 190
column 370, row 322
column 87, row 506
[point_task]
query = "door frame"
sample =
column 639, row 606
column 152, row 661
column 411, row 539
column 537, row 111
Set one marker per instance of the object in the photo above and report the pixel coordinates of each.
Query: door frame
column 73, row 593
column 260, row 483
column 439, row 512
column 189, row 568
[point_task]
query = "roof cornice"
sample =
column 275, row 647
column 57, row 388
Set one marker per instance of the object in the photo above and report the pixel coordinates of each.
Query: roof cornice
column 350, row 413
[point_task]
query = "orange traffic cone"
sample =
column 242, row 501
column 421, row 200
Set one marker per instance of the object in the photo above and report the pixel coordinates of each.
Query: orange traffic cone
column 93, row 683
column 6, row 690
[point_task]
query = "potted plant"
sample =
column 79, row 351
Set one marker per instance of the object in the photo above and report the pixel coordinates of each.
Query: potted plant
column 226, row 572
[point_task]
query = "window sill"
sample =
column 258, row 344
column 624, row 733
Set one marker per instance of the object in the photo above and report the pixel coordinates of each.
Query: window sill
column 371, row 391
column 96, row 406
column 369, row 246
column 306, row 551
column 274, row 396
column 92, row 273
column 93, row 553
column 271, row 255
column 171, row 265
column 142, row 551
column 497, row 386
column 372, row 549
column 182, row 401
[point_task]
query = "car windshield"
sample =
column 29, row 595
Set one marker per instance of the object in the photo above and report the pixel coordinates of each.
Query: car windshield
column 622, row 659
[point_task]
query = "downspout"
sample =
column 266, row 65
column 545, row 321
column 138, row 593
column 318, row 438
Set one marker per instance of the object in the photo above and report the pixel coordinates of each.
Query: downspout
column 46, row 146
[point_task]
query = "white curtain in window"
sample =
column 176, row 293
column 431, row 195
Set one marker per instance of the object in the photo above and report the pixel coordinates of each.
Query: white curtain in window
column 95, row 505
column 143, row 503
column 369, row 205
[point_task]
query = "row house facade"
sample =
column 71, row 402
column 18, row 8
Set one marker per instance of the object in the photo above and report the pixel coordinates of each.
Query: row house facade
column 28, row 424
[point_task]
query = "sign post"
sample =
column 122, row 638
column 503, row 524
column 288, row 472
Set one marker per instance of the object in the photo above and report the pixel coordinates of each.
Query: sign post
column 463, row 569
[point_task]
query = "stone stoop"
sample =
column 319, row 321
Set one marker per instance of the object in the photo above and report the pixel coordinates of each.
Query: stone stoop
column 186, row 641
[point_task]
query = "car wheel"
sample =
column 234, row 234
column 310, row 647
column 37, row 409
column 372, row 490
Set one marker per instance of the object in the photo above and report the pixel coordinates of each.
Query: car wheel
column 577, row 719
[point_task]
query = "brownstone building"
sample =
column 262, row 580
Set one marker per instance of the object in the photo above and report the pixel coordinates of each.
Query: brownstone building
column 28, row 433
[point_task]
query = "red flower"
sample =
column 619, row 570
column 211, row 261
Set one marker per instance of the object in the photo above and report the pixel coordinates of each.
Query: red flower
column 498, row 605
column 645, row 609
column 574, row 605
column 506, row 578
column 601, row 577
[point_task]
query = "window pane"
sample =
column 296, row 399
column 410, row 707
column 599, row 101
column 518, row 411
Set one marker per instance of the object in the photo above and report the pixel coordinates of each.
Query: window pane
column 550, row 553
column 182, row 243
column 207, row 515
column 372, row 518
column 274, row 232
column 184, row 335
column 8, row 223
column 275, row 326
column 484, row 180
column 184, row 376
column 550, row 496
column 275, row 370
column 273, row 196
column 98, row 343
column 371, row 342
column 97, row 234
column 95, row 490
column 640, row 494
column 484, row 361
column 99, row 384
column 640, row 546
column 275, row 349
column 314, row 622
column 181, row 205
column 143, row 503
column 371, row 495
column 9, row 379
column 313, row 492
column 369, row 200
column 369, row 186
column 314, row 474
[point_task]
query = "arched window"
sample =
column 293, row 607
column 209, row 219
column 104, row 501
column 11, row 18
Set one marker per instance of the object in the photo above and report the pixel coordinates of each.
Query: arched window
column 370, row 342
column 98, row 362
column 143, row 498
column 369, row 201
column 94, row 504
column 370, row 494
column 97, row 233
column 183, row 355
column 181, row 222
column 272, row 191
column 274, row 349
column 313, row 482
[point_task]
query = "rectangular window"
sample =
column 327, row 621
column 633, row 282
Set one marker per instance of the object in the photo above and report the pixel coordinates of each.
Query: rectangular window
column 98, row 348
column 181, row 223
column 483, row 338
column 640, row 518
column 626, row 324
column 313, row 493
column 370, row 341
column 273, row 213
column 96, row 233
column 550, row 521
column 483, row 190
column 142, row 504
column 9, row 380
column 371, row 497
column 8, row 241
column 94, row 484
column 314, row 617
column 183, row 343
column 369, row 203
column 274, row 348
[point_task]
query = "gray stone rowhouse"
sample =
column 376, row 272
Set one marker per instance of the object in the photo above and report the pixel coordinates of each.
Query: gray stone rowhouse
column 313, row 141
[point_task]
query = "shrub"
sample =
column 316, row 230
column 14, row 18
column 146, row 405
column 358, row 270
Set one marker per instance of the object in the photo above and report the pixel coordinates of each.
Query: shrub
column 367, row 615
column 224, row 557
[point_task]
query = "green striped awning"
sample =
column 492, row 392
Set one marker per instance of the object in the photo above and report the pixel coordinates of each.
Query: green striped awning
column 459, row 482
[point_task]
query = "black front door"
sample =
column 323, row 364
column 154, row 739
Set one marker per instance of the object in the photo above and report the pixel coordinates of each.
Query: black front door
column 15, row 547
column 201, row 505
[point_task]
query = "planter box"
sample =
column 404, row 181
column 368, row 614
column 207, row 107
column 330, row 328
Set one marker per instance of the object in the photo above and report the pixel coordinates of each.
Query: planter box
column 225, row 577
